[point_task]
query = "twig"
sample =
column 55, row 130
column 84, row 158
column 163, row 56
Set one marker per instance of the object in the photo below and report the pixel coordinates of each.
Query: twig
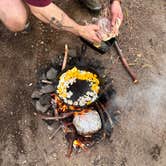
column 46, row 117
column 102, row 118
column 46, row 82
column 55, row 132
column 70, row 137
column 65, row 57
column 108, row 115
column 125, row 64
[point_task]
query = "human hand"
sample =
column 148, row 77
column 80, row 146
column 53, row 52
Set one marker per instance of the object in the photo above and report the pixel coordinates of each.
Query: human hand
column 116, row 12
column 90, row 32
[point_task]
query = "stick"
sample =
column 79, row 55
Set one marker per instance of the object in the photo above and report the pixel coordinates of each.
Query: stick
column 125, row 64
column 102, row 118
column 66, row 115
column 70, row 138
column 46, row 82
column 65, row 57
column 54, row 133
column 108, row 115
column 46, row 117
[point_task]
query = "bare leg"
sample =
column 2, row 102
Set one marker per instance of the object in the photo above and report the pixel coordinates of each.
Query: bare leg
column 13, row 14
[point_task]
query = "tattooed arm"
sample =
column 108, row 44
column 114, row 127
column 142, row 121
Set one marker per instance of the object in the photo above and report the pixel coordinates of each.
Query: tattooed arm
column 54, row 16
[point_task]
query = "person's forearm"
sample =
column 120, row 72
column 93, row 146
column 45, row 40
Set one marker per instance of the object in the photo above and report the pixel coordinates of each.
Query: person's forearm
column 54, row 16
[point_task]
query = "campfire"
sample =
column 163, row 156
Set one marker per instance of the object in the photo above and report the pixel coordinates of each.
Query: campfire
column 76, row 98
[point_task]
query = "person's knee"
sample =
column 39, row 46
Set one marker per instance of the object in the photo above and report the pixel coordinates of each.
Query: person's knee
column 13, row 14
column 16, row 24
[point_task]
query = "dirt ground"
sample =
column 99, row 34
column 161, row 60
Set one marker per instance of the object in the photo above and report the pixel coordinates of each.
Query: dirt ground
column 140, row 137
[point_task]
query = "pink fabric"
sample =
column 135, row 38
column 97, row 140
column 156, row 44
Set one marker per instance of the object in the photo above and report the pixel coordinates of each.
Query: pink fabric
column 38, row 3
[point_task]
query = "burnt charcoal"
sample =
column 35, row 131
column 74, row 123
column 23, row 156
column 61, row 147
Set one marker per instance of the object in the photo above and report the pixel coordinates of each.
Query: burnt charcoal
column 41, row 108
column 36, row 94
column 45, row 99
column 107, row 95
column 47, row 89
column 111, row 93
column 75, row 61
column 114, row 112
column 97, row 136
column 51, row 74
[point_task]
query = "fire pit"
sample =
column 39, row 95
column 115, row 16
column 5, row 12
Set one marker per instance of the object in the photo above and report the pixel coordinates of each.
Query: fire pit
column 76, row 99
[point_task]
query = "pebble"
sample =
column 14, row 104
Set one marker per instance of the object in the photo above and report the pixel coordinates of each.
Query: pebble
column 51, row 74
column 24, row 162
column 41, row 108
column 36, row 94
column 42, row 42
column 46, row 49
column 87, row 123
column 47, row 89
column 30, row 84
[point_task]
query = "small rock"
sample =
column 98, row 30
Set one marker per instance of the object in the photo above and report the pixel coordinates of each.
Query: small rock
column 24, row 162
column 51, row 74
column 41, row 108
column 47, row 89
column 42, row 42
column 36, row 94
column 139, row 55
column 45, row 99
column 88, row 123
column 46, row 49
column 30, row 84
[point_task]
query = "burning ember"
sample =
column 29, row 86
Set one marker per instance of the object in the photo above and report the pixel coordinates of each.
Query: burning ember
column 72, row 98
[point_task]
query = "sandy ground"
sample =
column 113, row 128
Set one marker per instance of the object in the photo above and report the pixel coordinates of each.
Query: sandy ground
column 140, row 137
